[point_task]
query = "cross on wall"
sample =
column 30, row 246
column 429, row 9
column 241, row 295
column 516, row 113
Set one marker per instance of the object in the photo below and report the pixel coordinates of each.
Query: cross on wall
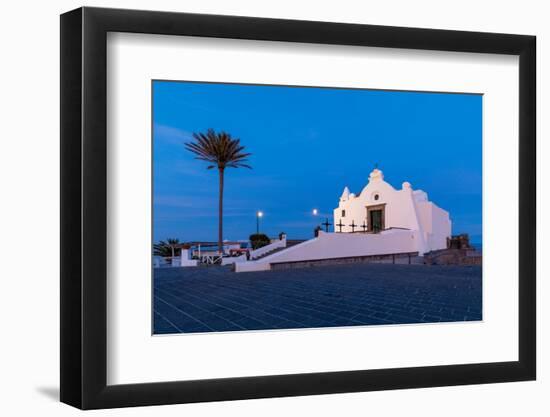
column 326, row 224
column 340, row 225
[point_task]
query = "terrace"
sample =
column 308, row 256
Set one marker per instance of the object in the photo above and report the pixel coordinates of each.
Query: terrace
column 215, row 299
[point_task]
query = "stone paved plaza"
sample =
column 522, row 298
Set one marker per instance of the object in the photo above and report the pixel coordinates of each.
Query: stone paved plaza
column 215, row 299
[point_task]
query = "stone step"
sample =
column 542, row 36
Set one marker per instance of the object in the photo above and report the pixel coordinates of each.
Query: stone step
column 288, row 245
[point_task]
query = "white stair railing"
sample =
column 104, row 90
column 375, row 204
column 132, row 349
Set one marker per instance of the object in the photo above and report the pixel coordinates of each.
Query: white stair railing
column 268, row 248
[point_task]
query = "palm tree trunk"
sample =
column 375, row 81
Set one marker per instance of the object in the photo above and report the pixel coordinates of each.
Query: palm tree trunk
column 220, row 214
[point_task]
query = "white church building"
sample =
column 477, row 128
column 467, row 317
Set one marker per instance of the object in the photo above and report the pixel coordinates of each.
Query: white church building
column 379, row 221
column 380, row 207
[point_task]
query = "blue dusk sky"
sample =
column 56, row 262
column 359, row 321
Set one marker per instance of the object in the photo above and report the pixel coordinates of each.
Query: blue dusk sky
column 307, row 144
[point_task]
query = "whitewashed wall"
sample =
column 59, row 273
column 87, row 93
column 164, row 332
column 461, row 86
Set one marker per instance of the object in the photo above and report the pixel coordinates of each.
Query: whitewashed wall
column 342, row 245
column 404, row 208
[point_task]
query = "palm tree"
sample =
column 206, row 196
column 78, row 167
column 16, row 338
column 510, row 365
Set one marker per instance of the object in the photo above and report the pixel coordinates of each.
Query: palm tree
column 221, row 151
column 166, row 249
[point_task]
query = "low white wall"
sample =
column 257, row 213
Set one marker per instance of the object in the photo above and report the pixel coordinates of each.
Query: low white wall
column 252, row 266
column 160, row 261
column 341, row 245
column 185, row 259
column 233, row 260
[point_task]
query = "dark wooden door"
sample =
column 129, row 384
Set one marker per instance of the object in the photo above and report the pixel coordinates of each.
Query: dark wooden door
column 376, row 221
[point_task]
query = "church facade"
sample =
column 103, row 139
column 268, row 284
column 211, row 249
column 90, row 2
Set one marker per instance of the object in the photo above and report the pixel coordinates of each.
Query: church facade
column 379, row 207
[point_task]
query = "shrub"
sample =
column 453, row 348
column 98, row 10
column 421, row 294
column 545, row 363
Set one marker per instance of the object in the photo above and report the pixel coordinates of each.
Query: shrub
column 258, row 240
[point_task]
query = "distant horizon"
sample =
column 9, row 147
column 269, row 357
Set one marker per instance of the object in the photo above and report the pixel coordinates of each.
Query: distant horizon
column 307, row 144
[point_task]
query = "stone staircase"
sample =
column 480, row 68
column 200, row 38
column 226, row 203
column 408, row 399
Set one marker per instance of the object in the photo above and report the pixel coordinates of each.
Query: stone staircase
column 289, row 244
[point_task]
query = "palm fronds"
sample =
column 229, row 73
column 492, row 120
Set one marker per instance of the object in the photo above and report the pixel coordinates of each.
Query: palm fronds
column 165, row 248
column 219, row 149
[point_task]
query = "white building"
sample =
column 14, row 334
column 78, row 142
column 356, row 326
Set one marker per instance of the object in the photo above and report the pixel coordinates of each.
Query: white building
column 380, row 220
column 380, row 207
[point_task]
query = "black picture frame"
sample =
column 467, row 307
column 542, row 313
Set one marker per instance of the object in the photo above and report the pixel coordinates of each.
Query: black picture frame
column 84, row 208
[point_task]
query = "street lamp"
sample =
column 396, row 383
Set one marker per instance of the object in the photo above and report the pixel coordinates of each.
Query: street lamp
column 315, row 212
column 258, row 215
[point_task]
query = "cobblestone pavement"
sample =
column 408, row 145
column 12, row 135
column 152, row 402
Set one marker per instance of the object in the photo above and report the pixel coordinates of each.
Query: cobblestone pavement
column 215, row 299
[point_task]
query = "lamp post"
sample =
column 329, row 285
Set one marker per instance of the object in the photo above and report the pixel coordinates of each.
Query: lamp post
column 258, row 215
column 315, row 212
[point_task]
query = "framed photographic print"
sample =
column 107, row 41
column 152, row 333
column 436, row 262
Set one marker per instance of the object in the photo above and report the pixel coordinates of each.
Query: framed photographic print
column 258, row 207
